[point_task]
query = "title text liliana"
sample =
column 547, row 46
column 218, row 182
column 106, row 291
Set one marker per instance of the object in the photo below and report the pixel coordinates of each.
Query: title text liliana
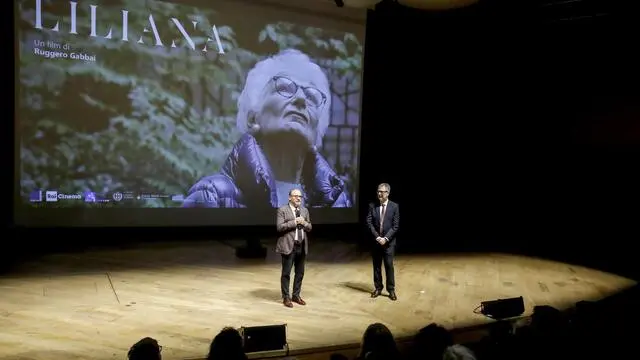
column 124, row 30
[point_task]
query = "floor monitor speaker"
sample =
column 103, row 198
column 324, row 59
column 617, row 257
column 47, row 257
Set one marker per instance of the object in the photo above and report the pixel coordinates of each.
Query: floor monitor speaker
column 503, row 308
column 264, row 338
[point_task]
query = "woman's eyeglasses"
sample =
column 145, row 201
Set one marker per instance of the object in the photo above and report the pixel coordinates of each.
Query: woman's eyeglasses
column 288, row 88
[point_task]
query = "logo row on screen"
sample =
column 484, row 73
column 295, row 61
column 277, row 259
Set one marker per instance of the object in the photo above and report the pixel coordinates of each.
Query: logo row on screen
column 93, row 197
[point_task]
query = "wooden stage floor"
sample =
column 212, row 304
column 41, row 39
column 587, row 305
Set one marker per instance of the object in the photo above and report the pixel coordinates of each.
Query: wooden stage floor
column 63, row 306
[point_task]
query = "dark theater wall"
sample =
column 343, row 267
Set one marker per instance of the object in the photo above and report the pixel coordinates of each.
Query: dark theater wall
column 504, row 131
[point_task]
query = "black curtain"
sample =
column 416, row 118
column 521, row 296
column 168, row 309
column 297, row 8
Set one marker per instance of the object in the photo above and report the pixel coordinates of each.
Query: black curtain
column 494, row 128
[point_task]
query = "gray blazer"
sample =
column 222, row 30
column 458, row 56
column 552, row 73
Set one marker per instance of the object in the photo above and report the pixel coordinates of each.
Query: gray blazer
column 286, row 226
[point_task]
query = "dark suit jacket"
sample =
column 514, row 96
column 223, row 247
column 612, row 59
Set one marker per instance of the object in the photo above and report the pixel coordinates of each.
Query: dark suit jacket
column 391, row 221
column 286, row 226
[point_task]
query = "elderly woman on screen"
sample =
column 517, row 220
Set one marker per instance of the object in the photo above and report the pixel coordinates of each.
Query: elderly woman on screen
column 283, row 112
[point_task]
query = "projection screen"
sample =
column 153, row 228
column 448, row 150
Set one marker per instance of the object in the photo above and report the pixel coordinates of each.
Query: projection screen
column 156, row 113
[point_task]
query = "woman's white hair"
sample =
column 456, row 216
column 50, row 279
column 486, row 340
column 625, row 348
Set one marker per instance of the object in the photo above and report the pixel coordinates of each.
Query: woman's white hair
column 258, row 77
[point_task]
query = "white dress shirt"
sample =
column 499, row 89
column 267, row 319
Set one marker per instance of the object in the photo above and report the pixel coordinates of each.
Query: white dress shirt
column 293, row 210
column 383, row 206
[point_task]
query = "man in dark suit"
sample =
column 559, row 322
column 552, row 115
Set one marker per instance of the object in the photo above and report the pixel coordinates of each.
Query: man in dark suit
column 383, row 220
column 293, row 224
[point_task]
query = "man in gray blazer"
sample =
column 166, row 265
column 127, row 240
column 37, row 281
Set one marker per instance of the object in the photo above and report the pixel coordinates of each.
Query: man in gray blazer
column 293, row 224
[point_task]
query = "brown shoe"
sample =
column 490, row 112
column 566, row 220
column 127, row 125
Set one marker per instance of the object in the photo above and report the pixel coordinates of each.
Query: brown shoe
column 287, row 302
column 298, row 300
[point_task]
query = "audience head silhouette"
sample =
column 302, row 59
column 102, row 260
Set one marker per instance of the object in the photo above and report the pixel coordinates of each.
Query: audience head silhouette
column 431, row 341
column 458, row 352
column 145, row 349
column 227, row 345
column 378, row 343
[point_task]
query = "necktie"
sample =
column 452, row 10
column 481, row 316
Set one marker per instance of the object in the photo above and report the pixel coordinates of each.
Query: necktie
column 298, row 227
column 383, row 212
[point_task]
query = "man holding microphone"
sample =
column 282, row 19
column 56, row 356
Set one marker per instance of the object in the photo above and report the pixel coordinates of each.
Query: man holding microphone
column 293, row 224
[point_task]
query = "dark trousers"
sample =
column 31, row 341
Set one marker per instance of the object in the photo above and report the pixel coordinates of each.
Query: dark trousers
column 380, row 255
column 294, row 260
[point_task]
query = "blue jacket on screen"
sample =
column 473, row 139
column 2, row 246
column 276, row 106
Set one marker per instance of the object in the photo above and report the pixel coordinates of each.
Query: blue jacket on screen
column 246, row 181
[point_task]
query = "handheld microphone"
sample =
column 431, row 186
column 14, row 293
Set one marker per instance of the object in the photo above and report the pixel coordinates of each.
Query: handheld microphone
column 299, row 226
